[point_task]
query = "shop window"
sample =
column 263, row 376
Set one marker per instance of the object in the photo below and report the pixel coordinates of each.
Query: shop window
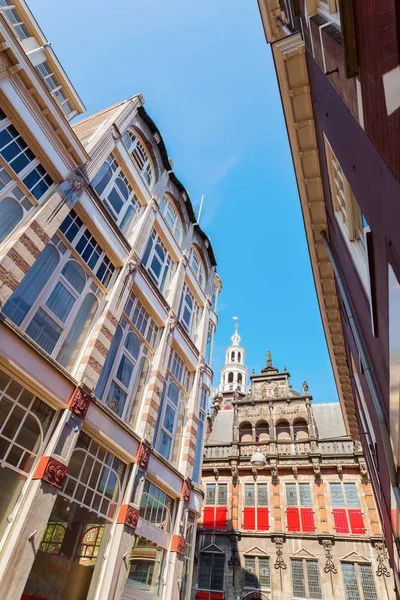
column 306, row 580
column 257, row 572
column 255, row 510
column 25, row 426
column 359, row 581
column 211, row 571
column 158, row 262
column 118, row 195
column 299, row 511
column 146, row 565
column 156, row 507
column 346, row 509
column 215, row 511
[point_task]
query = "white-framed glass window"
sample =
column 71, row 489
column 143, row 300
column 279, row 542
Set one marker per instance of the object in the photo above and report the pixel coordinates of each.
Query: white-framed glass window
column 146, row 567
column 306, row 581
column 209, row 345
column 200, row 434
column 189, row 312
column 171, row 416
column 14, row 204
column 20, row 158
column 118, row 195
column 349, row 217
column 57, row 300
column 127, row 366
column 157, row 261
column 257, row 572
column 359, row 581
column 14, row 19
column 190, row 533
column 346, row 508
column 330, row 10
column 55, row 88
column 197, row 266
column 171, row 216
column 156, row 507
column 140, row 156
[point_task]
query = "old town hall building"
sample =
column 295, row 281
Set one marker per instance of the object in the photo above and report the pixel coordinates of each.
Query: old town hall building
column 289, row 510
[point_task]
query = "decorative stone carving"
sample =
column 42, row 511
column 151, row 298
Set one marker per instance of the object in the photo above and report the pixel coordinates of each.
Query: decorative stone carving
column 143, row 456
column 305, row 387
column 363, row 470
column 77, row 182
column 235, row 473
column 279, row 563
column 216, row 473
column 172, row 321
column 295, row 472
column 382, row 570
column 178, row 544
column 51, row 470
column 234, row 560
column 254, row 472
column 316, row 469
column 357, row 446
column 79, row 403
column 185, row 260
column 128, row 515
column 340, row 471
column 186, row 490
column 154, row 203
column 274, row 473
column 329, row 565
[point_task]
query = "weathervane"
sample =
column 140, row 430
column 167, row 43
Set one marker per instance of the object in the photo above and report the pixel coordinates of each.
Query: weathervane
column 236, row 319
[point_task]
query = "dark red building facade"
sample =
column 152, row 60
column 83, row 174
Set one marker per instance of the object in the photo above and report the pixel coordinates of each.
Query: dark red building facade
column 337, row 63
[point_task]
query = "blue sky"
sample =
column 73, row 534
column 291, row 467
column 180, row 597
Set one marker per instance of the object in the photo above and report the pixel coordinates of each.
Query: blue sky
column 209, row 83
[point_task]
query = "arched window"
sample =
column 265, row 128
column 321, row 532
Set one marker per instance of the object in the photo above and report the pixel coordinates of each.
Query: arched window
column 90, row 542
column 239, row 357
column 246, row 432
column 300, row 429
column 197, row 265
column 170, row 214
column 232, row 357
column 140, row 156
column 282, row 430
column 230, row 377
column 239, row 378
column 262, row 431
column 11, row 214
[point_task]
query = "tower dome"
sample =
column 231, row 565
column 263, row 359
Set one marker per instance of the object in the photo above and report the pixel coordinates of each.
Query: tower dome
column 234, row 373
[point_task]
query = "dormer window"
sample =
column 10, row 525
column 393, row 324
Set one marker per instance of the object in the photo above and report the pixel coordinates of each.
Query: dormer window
column 140, row 156
column 197, row 266
column 172, row 218
column 55, row 88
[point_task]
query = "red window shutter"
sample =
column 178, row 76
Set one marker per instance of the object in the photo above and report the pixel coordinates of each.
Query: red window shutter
column 293, row 519
column 307, row 519
column 208, row 517
column 262, row 518
column 220, row 520
column 202, row 596
column 217, row 596
column 356, row 520
column 249, row 518
column 340, row 519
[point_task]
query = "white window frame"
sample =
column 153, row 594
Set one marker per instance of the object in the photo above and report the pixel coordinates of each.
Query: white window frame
column 330, row 10
column 196, row 264
column 163, row 279
column 171, row 217
column 349, row 217
column 305, row 562
column 140, row 155
column 256, row 505
column 15, row 19
column 356, row 566
column 257, row 558
column 55, row 88
column 192, row 310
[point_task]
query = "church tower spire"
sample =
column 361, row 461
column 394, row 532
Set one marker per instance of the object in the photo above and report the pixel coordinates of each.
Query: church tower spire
column 234, row 373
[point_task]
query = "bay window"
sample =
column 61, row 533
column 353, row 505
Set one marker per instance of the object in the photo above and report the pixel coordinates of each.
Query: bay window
column 56, row 301
column 299, row 511
column 215, row 511
column 140, row 155
column 255, row 511
column 157, row 261
column 20, row 158
column 171, row 216
column 189, row 312
column 347, row 515
column 114, row 189
column 127, row 366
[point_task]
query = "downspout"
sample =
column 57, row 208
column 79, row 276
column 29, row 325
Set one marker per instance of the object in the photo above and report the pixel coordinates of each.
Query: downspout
column 368, row 372
column 284, row 27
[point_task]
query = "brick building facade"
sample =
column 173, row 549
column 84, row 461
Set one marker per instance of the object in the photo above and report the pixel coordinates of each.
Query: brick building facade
column 289, row 510
column 337, row 65
column 108, row 292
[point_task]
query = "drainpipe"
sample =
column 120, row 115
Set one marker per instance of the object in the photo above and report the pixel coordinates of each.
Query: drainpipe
column 39, row 49
column 282, row 25
column 368, row 372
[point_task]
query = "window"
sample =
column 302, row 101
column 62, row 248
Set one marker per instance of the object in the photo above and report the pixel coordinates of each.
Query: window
column 14, row 205
column 25, row 424
column 230, row 377
column 125, row 371
column 359, row 581
column 171, row 416
column 23, row 161
column 215, row 510
column 211, row 571
column 255, row 511
column 305, row 579
column 190, row 530
column 140, row 156
column 157, row 261
column 170, row 214
column 346, row 508
column 56, row 301
column 90, row 542
column 53, row 538
column 351, row 221
column 114, row 189
column 15, row 19
column 55, row 88
column 200, row 434
column 209, row 346
column 197, row 266
column 146, row 566
column 257, row 572
column 156, row 507
column 189, row 312
column 299, row 511
column 330, row 10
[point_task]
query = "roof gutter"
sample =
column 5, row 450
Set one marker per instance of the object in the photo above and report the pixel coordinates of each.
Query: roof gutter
column 368, row 372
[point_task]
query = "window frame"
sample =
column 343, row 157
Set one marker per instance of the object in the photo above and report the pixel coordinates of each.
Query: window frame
column 358, row 576
column 257, row 558
column 252, row 511
column 204, row 397
column 140, row 155
column 306, row 578
column 162, row 281
column 347, row 507
column 168, row 208
column 198, row 269
column 300, row 507
column 157, row 499
column 46, row 73
column 211, row 568
column 194, row 311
